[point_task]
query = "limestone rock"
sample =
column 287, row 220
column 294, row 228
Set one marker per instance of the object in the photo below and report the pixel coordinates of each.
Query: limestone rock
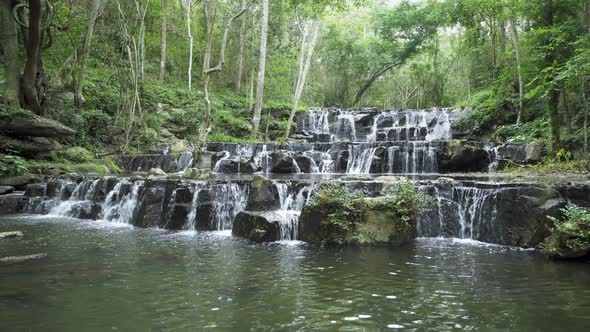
column 29, row 146
column 6, row 190
column 256, row 226
column 22, row 259
column 156, row 172
column 6, row 235
column 463, row 156
column 35, row 126
column 35, row 190
column 19, row 182
column 76, row 154
column 12, row 203
column 264, row 195
column 197, row 173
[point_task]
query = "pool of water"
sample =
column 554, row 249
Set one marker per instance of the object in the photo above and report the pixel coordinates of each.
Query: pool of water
column 102, row 276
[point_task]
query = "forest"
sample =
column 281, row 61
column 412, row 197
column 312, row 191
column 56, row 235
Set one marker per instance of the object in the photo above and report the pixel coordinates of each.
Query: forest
column 126, row 75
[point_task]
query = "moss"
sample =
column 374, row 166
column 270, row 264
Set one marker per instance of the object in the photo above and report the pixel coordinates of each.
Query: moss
column 335, row 216
column 571, row 234
column 9, row 112
column 75, row 154
column 100, row 167
column 549, row 166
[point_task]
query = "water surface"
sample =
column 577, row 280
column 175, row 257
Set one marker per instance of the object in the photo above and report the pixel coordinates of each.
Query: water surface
column 104, row 276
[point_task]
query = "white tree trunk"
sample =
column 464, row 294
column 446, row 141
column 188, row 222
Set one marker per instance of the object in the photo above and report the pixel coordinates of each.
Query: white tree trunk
column 242, row 43
column 303, row 72
column 190, row 42
column 164, row 35
column 261, row 70
column 516, row 44
column 92, row 16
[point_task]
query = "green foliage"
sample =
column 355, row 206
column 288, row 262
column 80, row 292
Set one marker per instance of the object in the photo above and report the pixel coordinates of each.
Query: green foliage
column 536, row 130
column 571, row 231
column 13, row 165
column 550, row 166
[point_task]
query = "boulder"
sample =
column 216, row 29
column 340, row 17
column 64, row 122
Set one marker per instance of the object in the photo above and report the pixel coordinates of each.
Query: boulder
column 377, row 227
column 256, row 226
column 560, row 250
column 86, row 210
column 35, row 190
column 283, row 163
column 29, row 146
column 35, row 126
column 151, row 207
column 534, row 152
column 304, row 163
column 197, row 174
column 7, row 235
column 156, row 172
column 19, row 182
column 463, row 156
column 12, row 203
column 6, row 190
column 179, row 146
column 264, row 195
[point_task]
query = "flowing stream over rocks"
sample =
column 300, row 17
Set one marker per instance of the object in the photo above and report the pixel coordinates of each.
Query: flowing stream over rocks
column 361, row 148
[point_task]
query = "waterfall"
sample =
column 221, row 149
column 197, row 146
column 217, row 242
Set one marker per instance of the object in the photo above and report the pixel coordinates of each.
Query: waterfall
column 229, row 200
column 192, row 216
column 345, row 129
column 471, row 201
column 493, row 156
column 120, row 206
column 360, row 159
column 76, row 201
column 292, row 202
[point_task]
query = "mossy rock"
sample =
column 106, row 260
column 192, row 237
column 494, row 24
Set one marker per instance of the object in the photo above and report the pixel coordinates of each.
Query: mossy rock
column 97, row 167
column 197, row 174
column 75, row 154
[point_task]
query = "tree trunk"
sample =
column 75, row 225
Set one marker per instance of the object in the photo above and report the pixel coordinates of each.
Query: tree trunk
column 92, row 16
column 9, row 39
column 566, row 112
column 163, row 37
column 142, row 15
column 516, row 44
column 33, row 50
column 190, row 42
column 261, row 70
column 553, row 101
column 242, row 43
column 363, row 89
column 303, row 72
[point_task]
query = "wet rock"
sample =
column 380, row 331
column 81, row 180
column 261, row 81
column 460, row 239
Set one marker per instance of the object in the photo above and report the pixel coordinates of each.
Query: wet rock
column 156, row 172
column 6, row 190
column 522, row 153
column 204, row 211
column 197, row 174
column 7, row 235
column 12, row 203
column 35, row 190
column 22, row 259
column 151, row 208
column 462, row 156
column 283, row 163
column 304, row 163
column 264, row 195
column 86, row 210
column 534, row 152
column 29, row 146
column 560, row 249
column 256, row 226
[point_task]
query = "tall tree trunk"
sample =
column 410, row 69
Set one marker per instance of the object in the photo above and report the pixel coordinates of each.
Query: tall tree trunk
column 553, row 102
column 190, row 42
column 584, row 96
column 566, row 112
column 516, row 44
column 33, row 50
column 142, row 12
column 9, row 39
column 261, row 70
column 303, row 72
column 163, row 37
column 79, row 84
column 242, row 44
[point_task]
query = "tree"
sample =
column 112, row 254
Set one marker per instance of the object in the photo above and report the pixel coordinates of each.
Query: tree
column 93, row 14
column 261, row 70
column 163, row 38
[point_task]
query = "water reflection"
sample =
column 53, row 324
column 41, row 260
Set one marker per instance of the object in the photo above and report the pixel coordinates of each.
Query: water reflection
column 100, row 277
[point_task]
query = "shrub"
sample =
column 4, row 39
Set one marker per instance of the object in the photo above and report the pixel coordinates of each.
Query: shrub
column 13, row 165
column 571, row 232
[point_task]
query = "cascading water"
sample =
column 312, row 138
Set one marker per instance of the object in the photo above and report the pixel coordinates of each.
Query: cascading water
column 192, row 216
column 292, row 202
column 229, row 200
column 361, row 157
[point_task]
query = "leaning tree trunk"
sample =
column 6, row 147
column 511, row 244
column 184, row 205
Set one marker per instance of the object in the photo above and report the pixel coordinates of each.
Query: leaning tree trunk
column 163, row 36
column 553, row 101
column 9, row 40
column 242, row 43
column 261, row 70
column 79, row 84
column 302, row 77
